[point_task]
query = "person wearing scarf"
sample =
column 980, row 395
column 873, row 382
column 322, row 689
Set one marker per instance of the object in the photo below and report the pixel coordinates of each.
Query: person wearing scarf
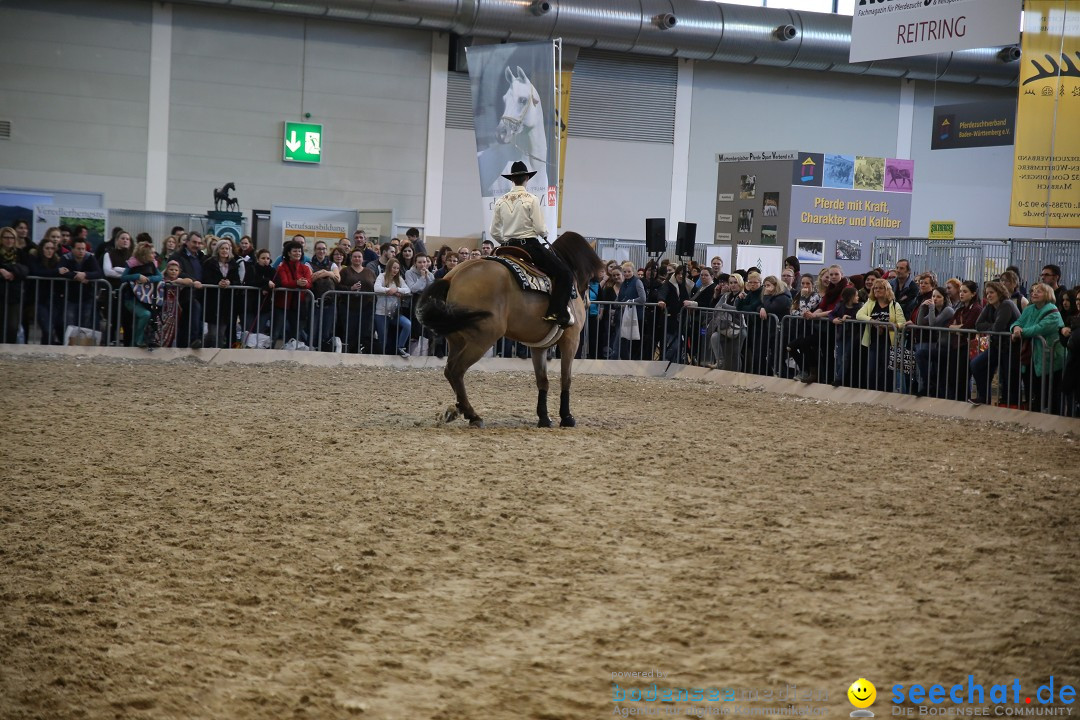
column 12, row 274
column 672, row 296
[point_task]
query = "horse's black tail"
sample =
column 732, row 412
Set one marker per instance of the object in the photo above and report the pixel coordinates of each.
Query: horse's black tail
column 445, row 318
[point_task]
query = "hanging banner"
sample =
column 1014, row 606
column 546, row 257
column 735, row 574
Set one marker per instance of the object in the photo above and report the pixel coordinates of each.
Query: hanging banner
column 563, row 128
column 882, row 29
column 513, row 94
column 1046, row 171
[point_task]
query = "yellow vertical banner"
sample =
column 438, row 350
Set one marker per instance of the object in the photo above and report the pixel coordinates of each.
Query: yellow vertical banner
column 1046, row 171
column 563, row 124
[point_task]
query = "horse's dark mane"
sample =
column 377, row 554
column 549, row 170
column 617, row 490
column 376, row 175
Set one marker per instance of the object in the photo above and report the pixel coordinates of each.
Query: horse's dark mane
column 575, row 251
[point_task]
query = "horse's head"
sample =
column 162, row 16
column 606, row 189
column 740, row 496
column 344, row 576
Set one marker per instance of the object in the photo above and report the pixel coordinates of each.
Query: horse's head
column 521, row 106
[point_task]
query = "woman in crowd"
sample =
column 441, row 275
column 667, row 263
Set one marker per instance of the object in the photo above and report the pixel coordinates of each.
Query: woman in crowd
column 47, row 295
column 848, row 334
column 1040, row 322
column 390, row 289
column 450, row 261
column 407, row 256
column 141, row 270
column 609, row 295
column 930, row 350
column 775, row 306
column 293, row 276
column 257, row 300
column 419, row 277
column 672, row 296
column 804, row 305
column 698, row 322
column 887, row 318
column 168, row 246
column 952, row 291
column 631, row 318
column 355, row 310
column 1070, row 338
column 339, row 257
column 221, row 306
column 245, row 250
column 726, row 331
column 1002, row 356
column 12, row 274
column 1011, row 281
column 749, row 301
column 966, row 313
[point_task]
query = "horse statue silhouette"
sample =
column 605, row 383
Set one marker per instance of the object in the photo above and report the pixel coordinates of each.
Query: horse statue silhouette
column 522, row 127
column 222, row 197
column 480, row 301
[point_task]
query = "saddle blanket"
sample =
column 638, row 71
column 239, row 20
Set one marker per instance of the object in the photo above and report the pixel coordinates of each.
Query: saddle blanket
column 529, row 277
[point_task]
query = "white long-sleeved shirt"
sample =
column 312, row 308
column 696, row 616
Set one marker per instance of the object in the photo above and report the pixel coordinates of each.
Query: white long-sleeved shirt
column 388, row 304
column 518, row 215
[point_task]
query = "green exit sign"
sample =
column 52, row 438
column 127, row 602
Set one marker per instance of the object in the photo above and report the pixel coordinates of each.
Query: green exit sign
column 302, row 143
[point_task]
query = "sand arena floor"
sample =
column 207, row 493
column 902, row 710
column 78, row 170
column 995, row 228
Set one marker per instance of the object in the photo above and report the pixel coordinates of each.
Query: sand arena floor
column 186, row 541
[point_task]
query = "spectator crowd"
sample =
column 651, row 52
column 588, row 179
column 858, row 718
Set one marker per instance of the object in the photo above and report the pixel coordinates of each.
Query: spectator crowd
column 887, row 329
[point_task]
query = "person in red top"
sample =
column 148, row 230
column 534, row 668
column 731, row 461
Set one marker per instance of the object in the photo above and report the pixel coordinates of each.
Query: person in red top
column 962, row 346
column 293, row 276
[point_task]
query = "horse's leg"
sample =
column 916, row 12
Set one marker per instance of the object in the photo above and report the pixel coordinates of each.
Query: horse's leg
column 460, row 357
column 568, row 346
column 539, row 358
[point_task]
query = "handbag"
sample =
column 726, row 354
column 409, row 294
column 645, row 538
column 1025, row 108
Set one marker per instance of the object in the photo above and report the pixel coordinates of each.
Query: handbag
column 902, row 359
column 978, row 344
column 628, row 327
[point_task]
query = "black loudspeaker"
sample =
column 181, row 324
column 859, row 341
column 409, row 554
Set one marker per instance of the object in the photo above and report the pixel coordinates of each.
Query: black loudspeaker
column 655, row 236
column 684, row 239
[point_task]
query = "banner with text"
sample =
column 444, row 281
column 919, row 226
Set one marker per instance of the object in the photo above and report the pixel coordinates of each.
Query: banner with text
column 513, row 95
column 978, row 124
column 882, row 29
column 1046, row 171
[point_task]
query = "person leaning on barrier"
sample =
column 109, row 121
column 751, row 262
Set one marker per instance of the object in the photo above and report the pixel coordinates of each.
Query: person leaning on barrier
column 1042, row 319
column 325, row 276
column 966, row 312
column 12, row 274
column 1070, row 334
column 221, row 305
column 47, row 293
column 356, row 311
column 848, row 336
column 293, row 277
column 140, row 270
column 888, row 318
column 80, row 295
column 190, row 257
column 1001, row 356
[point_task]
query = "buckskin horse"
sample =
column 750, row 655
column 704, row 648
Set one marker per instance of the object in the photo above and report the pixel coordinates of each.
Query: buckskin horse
column 480, row 301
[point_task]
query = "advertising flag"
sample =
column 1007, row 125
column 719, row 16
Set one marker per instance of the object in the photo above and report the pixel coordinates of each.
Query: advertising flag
column 514, row 116
column 1046, row 171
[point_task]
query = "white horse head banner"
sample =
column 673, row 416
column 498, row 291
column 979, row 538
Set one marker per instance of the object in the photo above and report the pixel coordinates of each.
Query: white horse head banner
column 513, row 95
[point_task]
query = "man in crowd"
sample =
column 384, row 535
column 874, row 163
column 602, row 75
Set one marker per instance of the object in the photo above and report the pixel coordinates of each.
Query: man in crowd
column 487, row 248
column 325, row 275
column 378, row 265
column 191, row 259
column 413, row 236
column 1051, row 275
column 904, row 287
column 81, row 297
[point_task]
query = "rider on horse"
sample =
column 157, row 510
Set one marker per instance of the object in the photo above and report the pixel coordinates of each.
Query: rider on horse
column 519, row 221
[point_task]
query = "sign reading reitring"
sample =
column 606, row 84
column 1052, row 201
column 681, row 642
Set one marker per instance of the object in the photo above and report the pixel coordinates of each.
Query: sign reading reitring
column 302, row 142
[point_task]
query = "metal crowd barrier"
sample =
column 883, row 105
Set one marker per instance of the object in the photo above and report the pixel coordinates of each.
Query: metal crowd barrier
column 978, row 259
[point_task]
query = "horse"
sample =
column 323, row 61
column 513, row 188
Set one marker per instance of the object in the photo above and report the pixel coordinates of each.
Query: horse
column 221, row 195
column 479, row 301
column 522, row 125
column 898, row 172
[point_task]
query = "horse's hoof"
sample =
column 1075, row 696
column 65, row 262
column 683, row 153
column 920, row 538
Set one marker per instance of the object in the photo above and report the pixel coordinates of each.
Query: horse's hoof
column 568, row 421
column 450, row 414
column 544, row 423
column 476, row 423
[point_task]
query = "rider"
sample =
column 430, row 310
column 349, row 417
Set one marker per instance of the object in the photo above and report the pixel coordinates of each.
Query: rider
column 519, row 221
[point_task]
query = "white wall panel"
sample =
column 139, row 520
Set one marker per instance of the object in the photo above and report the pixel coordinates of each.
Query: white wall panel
column 74, row 81
column 238, row 75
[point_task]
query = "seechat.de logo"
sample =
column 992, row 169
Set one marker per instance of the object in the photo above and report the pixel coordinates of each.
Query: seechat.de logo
column 1006, row 698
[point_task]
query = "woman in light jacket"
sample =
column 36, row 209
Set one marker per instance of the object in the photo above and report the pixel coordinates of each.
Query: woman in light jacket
column 1040, row 323
column 390, row 288
column 887, row 318
column 631, row 293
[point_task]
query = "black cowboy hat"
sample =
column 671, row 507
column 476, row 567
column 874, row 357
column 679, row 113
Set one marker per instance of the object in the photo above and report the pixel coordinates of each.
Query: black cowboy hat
column 519, row 170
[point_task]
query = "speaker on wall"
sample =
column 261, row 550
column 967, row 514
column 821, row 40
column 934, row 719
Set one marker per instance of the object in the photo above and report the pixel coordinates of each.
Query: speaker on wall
column 655, row 236
column 684, row 239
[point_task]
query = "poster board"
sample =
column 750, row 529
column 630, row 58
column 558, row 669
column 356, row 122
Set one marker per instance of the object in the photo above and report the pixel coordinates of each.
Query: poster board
column 769, row 258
